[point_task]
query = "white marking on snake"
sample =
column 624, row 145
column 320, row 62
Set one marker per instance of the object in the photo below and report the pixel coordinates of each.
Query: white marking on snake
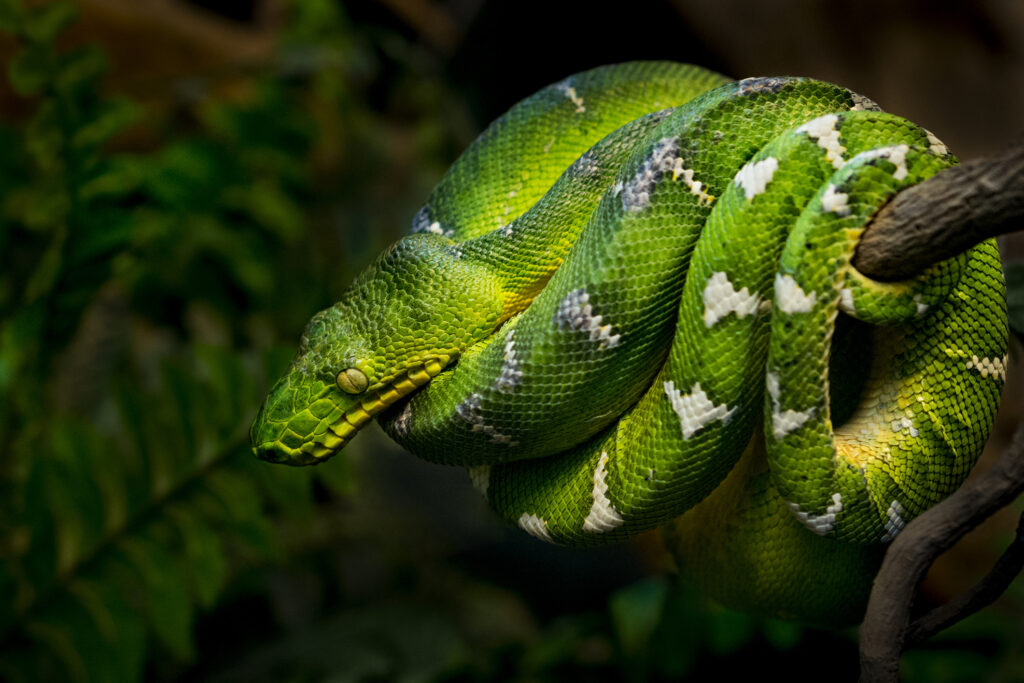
column 790, row 298
column 401, row 425
column 575, row 313
column 820, row 524
column 861, row 103
column 436, row 228
column 824, row 130
column 988, row 367
column 586, row 165
column 469, row 410
column 636, row 194
column 695, row 410
column 535, row 526
column 895, row 522
column 936, row 145
column 511, row 374
column 784, row 421
column 896, row 155
column 904, row 423
column 696, row 187
column 846, row 301
column 755, row 176
column 664, row 158
column 835, row 201
column 721, row 299
column 602, row 516
column 570, row 92
column 480, row 476
column 921, row 308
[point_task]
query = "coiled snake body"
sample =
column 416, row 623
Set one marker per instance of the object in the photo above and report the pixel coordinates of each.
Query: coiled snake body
column 630, row 304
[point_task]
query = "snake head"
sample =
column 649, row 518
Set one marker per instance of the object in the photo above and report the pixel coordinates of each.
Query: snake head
column 402, row 321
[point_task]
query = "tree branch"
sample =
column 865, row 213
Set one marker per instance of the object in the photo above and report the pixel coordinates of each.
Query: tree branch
column 886, row 627
column 939, row 218
column 945, row 215
column 982, row 594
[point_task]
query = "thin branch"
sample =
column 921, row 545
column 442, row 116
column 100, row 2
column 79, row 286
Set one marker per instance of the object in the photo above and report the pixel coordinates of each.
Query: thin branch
column 883, row 631
column 944, row 216
column 982, row 594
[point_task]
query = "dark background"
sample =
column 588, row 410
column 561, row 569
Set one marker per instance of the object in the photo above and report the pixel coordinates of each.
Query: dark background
column 181, row 197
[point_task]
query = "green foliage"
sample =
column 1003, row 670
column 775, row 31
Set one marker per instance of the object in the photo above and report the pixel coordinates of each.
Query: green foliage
column 142, row 317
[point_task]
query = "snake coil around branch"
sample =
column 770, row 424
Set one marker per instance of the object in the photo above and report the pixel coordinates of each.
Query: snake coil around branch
column 632, row 303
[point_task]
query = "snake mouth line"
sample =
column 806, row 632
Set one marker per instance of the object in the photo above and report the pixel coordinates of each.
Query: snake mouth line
column 341, row 432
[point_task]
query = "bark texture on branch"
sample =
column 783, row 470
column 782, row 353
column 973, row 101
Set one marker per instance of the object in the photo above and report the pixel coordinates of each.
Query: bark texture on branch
column 982, row 594
column 885, row 627
column 944, row 216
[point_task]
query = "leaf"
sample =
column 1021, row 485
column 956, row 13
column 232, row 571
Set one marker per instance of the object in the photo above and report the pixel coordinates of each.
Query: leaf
column 204, row 562
column 783, row 635
column 80, row 69
column 112, row 637
column 93, row 632
column 12, row 16
column 102, row 233
column 109, row 118
column 728, row 630
column 57, row 639
column 270, row 207
column 166, row 594
column 228, row 389
column 339, row 475
column 238, row 507
column 40, row 560
column 47, row 272
column 43, row 23
column 636, row 611
column 187, row 175
column 31, row 70
column 77, row 507
column 679, row 638
column 290, row 488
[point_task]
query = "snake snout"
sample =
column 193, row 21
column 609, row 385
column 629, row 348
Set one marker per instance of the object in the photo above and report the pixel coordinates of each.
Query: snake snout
column 298, row 423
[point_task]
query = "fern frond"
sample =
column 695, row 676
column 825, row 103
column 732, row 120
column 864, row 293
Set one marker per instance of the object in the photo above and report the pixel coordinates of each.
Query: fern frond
column 115, row 550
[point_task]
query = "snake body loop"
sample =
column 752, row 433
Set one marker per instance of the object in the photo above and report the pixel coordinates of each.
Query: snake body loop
column 630, row 304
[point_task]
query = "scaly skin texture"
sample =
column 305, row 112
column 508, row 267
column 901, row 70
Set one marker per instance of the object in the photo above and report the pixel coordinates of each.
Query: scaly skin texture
column 630, row 304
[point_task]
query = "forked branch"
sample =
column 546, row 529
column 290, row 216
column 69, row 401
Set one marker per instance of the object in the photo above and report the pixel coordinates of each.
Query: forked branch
column 924, row 224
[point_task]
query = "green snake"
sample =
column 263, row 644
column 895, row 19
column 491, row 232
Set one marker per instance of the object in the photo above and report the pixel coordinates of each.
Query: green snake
column 630, row 304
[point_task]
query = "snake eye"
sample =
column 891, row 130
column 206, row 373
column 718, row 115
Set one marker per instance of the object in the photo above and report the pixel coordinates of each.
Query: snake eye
column 352, row 381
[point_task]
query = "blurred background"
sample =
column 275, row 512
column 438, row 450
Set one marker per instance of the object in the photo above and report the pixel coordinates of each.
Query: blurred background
column 185, row 183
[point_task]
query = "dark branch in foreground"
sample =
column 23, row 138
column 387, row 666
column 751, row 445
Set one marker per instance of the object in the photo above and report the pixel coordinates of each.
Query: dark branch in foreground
column 984, row 593
column 944, row 216
column 886, row 628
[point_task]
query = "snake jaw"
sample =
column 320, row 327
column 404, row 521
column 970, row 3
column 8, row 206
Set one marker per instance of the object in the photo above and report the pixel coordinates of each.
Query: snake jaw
column 304, row 439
